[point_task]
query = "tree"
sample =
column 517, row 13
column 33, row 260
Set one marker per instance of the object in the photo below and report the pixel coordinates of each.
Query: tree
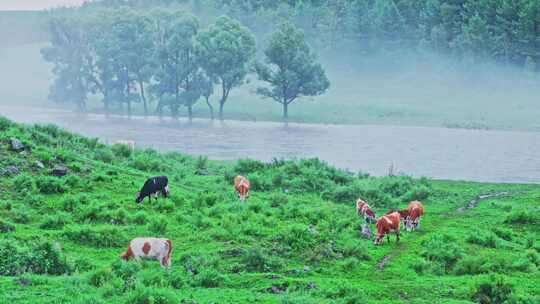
column 69, row 55
column 291, row 70
column 178, row 70
column 225, row 51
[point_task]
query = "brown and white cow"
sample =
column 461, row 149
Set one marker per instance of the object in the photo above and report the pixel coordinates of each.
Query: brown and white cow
column 364, row 210
column 412, row 215
column 387, row 224
column 149, row 248
column 241, row 185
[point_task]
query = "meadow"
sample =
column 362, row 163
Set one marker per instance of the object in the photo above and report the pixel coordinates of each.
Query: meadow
column 295, row 240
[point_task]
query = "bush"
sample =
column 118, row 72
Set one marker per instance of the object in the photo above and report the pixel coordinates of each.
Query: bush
column 20, row 216
column 43, row 258
column 483, row 238
column 24, row 183
column 6, row 226
column 100, row 277
column 5, row 123
column 121, row 150
column 104, row 155
column 504, row 234
column 442, row 249
column 148, row 161
column 417, row 193
column 278, row 199
column 158, row 225
column 208, row 278
column 246, row 166
column 494, row 290
column 523, row 217
column 205, row 199
column 98, row 237
column 146, row 295
column 56, row 221
column 50, row 185
column 127, row 272
column 344, row 293
column 72, row 180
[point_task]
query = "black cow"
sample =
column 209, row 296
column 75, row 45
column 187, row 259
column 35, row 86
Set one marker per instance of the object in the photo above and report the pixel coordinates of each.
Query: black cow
column 153, row 186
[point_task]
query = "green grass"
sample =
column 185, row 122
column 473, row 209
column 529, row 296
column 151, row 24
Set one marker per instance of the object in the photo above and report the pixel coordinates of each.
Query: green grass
column 297, row 233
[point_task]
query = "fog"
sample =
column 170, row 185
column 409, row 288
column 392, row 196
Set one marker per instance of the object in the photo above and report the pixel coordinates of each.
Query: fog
column 436, row 93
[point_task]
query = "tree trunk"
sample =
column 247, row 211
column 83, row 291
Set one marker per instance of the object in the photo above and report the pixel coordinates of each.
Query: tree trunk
column 143, row 97
column 285, row 111
column 190, row 113
column 221, row 104
column 210, row 107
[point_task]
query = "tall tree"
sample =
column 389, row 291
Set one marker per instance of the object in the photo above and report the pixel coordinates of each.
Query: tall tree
column 69, row 54
column 225, row 51
column 291, row 70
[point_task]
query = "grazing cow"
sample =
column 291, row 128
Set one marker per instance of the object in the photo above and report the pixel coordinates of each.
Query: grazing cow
column 387, row 224
column 412, row 215
column 363, row 209
column 129, row 143
column 149, row 248
column 241, row 185
column 153, row 186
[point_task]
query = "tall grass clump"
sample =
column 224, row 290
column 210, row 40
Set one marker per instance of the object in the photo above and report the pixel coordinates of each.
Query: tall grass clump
column 443, row 251
column 42, row 258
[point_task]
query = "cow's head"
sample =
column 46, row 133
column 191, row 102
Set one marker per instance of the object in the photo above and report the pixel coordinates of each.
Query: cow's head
column 138, row 197
column 243, row 193
column 127, row 255
column 378, row 239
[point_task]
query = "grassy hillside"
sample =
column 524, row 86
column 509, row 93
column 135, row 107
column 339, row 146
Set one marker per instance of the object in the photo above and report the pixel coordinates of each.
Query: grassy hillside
column 296, row 240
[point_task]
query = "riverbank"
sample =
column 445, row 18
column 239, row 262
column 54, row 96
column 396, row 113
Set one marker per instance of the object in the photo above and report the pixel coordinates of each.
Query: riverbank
column 440, row 153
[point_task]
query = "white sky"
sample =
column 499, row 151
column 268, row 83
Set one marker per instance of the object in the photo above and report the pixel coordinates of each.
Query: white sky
column 25, row 5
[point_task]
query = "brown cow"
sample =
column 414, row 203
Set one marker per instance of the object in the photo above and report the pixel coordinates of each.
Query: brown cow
column 387, row 224
column 241, row 185
column 412, row 215
column 149, row 248
column 363, row 209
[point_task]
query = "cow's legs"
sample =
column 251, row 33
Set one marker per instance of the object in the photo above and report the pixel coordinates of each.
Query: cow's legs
column 397, row 236
column 388, row 237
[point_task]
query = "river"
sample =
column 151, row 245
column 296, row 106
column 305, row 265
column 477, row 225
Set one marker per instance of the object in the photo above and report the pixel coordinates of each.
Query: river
column 441, row 153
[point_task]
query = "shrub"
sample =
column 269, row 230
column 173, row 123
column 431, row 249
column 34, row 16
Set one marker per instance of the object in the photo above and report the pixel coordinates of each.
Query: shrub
column 100, row 277
column 344, row 293
column 42, row 258
column 260, row 182
column 121, row 150
column 483, row 238
column 201, row 165
column 494, row 290
column 72, row 180
column 246, row 166
column 278, row 199
column 50, row 185
column 97, row 237
column 56, row 221
column 24, row 183
column 140, row 218
column 20, row 216
column 158, row 225
column 523, row 217
column 442, row 249
column 148, row 160
column 208, row 278
column 127, row 272
column 104, row 155
column 146, row 295
column 5, row 123
column 417, row 193
column 504, row 234
column 205, row 199
column 6, row 226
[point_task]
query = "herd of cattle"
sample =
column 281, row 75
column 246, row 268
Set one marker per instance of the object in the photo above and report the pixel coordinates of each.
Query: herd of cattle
column 160, row 248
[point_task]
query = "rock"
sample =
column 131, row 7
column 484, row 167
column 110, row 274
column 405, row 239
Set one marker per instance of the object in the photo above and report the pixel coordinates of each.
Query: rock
column 60, row 171
column 10, row 170
column 16, row 145
column 39, row 164
column 366, row 232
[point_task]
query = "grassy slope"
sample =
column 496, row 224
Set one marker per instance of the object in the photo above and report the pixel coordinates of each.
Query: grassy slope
column 358, row 96
column 241, row 250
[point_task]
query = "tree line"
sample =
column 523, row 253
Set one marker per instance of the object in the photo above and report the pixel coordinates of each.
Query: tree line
column 129, row 56
column 504, row 31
